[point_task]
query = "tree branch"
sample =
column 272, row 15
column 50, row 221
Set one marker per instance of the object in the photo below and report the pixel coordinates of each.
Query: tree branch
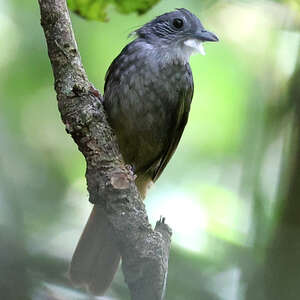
column 110, row 182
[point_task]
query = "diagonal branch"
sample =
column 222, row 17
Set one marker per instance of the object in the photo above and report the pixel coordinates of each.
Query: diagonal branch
column 110, row 182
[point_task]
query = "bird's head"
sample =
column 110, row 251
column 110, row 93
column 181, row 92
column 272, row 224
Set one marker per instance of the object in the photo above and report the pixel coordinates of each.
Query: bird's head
column 178, row 29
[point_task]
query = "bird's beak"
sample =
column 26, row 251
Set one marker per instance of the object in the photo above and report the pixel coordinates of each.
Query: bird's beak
column 206, row 36
column 195, row 42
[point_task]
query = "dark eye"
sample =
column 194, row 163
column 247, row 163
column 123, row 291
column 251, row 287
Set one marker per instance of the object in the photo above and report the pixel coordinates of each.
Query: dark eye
column 178, row 23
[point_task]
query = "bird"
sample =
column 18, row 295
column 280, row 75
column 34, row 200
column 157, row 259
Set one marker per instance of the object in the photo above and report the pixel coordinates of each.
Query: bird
column 147, row 97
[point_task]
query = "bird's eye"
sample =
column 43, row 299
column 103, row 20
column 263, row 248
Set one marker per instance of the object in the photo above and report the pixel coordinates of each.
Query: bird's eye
column 178, row 23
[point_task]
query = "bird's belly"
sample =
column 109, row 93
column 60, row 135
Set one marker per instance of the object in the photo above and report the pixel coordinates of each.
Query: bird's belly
column 142, row 139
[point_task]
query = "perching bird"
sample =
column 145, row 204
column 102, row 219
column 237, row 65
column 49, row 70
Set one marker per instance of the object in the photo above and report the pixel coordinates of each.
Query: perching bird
column 147, row 96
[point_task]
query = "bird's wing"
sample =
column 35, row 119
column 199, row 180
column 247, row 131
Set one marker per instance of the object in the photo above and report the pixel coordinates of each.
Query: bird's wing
column 175, row 135
column 113, row 67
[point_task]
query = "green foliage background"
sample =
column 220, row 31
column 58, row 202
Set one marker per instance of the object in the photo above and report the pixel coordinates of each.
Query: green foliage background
column 230, row 192
column 97, row 9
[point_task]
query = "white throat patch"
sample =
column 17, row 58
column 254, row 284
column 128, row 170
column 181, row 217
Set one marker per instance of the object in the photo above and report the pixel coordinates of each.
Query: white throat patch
column 195, row 46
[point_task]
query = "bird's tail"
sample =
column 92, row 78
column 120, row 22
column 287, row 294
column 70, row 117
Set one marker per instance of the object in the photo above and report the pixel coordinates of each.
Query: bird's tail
column 96, row 258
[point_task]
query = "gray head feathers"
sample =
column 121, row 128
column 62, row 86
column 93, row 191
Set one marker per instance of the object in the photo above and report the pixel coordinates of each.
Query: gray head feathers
column 177, row 25
column 179, row 31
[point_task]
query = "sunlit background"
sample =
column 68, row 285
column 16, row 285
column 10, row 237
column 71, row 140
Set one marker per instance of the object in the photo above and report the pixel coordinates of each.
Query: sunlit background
column 231, row 192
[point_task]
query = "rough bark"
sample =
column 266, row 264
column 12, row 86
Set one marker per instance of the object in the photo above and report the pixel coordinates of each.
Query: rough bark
column 110, row 182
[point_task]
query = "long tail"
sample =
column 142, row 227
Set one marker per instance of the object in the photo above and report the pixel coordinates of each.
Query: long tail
column 96, row 258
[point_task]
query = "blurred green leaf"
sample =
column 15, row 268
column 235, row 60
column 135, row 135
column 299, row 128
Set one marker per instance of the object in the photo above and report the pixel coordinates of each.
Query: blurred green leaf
column 90, row 9
column 97, row 9
column 139, row 6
